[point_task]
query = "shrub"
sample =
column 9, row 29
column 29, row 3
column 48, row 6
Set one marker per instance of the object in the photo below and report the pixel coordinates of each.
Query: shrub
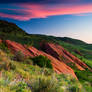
column 44, row 84
column 19, row 56
column 12, row 66
column 47, row 71
column 42, row 61
column 7, row 66
column 28, row 61
column 5, row 62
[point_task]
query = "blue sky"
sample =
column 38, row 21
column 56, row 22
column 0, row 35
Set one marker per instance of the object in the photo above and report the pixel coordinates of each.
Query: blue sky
column 69, row 18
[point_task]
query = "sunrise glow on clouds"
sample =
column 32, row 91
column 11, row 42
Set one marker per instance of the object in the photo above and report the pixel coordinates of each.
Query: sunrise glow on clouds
column 30, row 11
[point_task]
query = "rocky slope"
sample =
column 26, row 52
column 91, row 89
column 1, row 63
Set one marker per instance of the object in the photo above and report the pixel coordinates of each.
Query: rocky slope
column 58, row 55
column 63, row 55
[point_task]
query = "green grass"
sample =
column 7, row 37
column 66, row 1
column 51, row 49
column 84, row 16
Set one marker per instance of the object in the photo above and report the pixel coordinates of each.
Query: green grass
column 23, row 77
column 85, row 77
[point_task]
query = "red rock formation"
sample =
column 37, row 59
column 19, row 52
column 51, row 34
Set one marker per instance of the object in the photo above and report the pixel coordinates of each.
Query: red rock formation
column 15, row 47
column 61, row 54
column 58, row 66
column 53, row 52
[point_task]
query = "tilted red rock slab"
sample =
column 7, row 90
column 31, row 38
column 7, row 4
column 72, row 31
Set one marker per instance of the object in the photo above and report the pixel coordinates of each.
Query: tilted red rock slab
column 15, row 47
column 58, row 66
column 58, row 52
column 53, row 52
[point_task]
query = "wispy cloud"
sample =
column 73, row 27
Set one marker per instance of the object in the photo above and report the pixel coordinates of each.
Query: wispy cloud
column 30, row 11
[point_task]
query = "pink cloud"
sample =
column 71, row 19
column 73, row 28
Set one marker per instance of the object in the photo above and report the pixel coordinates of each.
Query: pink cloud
column 31, row 11
column 16, row 17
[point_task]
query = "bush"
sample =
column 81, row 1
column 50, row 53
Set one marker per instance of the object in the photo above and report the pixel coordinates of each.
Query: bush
column 28, row 61
column 12, row 66
column 7, row 66
column 47, row 71
column 19, row 56
column 44, row 84
column 5, row 62
column 42, row 61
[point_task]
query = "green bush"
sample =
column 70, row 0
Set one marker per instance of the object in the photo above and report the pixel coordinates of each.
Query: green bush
column 42, row 61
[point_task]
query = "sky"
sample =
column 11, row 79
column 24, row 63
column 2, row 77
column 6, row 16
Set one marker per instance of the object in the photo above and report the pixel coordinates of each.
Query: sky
column 63, row 18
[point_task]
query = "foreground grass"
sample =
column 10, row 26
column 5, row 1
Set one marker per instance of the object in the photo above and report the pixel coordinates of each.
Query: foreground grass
column 22, row 77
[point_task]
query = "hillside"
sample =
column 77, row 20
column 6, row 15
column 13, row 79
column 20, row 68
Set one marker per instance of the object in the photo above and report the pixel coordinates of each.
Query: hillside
column 12, row 32
column 7, row 27
column 21, row 52
column 22, row 77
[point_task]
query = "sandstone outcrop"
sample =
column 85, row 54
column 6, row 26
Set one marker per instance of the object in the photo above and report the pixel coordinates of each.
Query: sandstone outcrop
column 58, row 55
column 58, row 66
column 61, row 54
column 15, row 47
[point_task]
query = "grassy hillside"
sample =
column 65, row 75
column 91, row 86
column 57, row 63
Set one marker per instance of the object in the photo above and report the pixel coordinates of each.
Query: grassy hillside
column 19, row 76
